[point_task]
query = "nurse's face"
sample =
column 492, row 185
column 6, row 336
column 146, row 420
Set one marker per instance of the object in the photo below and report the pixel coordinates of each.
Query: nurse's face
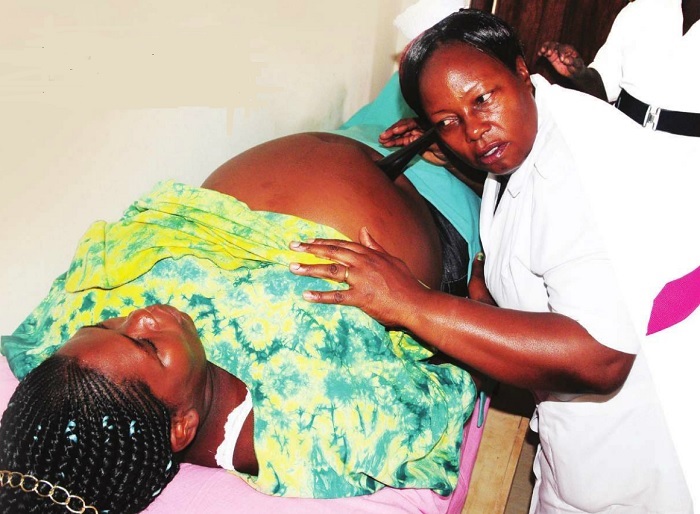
column 158, row 346
column 483, row 111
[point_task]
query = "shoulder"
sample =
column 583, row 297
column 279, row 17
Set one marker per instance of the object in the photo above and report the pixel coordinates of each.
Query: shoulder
column 558, row 201
column 595, row 133
column 554, row 156
column 643, row 11
column 555, row 160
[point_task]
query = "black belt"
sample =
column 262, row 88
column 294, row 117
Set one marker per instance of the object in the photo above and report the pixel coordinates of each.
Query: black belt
column 675, row 122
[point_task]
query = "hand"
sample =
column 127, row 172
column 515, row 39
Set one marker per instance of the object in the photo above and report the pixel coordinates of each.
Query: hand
column 564, row 58
column 379, row 284
column 406, row 131
column 401, row 133
column 477, row 283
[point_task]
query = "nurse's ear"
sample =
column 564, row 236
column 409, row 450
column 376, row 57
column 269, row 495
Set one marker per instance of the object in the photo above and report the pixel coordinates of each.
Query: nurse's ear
column 522, row 72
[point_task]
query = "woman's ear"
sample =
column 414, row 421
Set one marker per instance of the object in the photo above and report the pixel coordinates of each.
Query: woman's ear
column 183, row 428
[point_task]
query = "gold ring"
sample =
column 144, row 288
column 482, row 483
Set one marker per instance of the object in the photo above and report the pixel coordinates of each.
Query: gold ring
column 347, row 272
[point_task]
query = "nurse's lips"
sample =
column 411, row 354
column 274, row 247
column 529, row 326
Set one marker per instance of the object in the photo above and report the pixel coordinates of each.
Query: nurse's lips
column 492, row 153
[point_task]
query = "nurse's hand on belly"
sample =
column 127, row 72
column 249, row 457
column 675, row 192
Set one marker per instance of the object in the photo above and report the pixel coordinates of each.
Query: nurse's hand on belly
column 380, row 284
column 534, row 350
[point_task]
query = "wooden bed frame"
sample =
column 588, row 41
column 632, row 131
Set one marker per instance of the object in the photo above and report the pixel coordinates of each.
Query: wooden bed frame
column 501, row 480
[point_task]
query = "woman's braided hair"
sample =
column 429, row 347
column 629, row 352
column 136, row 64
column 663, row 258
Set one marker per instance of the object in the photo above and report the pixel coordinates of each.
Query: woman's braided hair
column 71, row 426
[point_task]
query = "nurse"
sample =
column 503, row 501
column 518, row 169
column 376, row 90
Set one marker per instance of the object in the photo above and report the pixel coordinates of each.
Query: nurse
column 562, row 329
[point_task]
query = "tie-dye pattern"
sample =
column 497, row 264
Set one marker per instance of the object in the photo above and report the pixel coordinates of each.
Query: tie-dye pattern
column 342, row 407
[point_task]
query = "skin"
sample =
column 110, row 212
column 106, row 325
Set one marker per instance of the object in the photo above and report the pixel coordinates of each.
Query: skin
column 566, row 61
column 159, row 346
column 283, row 176
column 475, row 116
column 484, row 113
column 272, row 177
column 407, row 130
column 552, row 351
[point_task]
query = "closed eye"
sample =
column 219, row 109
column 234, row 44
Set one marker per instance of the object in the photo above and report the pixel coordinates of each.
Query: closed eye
column 149, row 343
column 145, row 344
column 96, row 325
column 142, row 343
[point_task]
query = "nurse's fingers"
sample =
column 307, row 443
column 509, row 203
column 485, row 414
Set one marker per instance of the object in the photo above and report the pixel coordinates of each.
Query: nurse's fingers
column 334, row 271
column 367, row 240
column 337, row 250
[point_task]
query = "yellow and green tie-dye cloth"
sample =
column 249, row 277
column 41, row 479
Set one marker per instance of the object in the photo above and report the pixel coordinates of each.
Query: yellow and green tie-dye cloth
column 342, row 406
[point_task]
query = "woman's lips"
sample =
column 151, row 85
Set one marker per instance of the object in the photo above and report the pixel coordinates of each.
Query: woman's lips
column 492, row 154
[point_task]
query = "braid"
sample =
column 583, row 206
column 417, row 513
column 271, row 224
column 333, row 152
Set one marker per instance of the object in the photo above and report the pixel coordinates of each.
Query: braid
column 71, row 426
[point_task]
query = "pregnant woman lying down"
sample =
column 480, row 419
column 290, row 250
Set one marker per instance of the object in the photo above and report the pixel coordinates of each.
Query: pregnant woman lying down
column 178, row 335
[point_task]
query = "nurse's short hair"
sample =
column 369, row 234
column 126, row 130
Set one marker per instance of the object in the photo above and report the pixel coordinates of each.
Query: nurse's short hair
column 481, row 30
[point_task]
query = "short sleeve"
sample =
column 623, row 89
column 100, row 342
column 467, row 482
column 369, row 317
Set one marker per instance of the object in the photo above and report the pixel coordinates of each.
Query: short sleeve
column 609, row 59
column 569, row 254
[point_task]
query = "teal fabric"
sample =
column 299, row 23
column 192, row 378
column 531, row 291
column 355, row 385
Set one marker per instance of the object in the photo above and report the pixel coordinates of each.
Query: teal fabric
column 456, row 201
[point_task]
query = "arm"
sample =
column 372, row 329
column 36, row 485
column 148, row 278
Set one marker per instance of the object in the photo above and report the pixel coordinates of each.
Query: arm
column 552, row 351
column 566, row 61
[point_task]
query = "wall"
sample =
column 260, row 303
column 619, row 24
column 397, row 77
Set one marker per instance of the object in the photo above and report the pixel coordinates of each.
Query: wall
column 100, row 101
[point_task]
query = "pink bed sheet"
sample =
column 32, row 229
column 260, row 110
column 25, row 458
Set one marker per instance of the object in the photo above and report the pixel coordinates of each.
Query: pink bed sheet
column 197, row 489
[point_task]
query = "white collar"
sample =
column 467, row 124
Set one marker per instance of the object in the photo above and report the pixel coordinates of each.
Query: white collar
column 544, row 124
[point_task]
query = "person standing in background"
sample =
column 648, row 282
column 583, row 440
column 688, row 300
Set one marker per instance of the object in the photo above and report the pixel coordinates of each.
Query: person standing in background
column 646, row 65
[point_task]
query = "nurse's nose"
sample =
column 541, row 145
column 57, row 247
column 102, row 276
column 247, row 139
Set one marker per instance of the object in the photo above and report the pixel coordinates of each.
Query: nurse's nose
column 475, row 128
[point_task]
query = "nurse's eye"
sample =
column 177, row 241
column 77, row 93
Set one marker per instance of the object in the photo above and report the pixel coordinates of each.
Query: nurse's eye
column 446, row 123
column 482, row 99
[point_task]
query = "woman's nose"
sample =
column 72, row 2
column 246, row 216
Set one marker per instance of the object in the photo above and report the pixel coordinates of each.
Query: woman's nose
column 141, row 318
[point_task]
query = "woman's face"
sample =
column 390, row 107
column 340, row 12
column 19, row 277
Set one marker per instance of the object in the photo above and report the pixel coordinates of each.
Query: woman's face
column 483, row 111
column 158, row 346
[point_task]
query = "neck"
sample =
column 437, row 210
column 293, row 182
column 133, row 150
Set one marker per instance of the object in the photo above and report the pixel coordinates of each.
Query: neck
column 503, row 181
column 222, row 393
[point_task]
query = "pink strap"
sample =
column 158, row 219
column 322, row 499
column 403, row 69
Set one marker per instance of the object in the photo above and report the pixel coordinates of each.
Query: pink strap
column 676, row 301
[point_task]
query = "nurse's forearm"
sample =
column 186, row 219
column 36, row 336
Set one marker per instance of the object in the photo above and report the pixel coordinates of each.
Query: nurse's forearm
column 531, row 350
column 589, row 81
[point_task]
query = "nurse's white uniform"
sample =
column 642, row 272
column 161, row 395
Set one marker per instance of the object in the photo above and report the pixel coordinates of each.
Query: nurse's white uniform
column 544, row 253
